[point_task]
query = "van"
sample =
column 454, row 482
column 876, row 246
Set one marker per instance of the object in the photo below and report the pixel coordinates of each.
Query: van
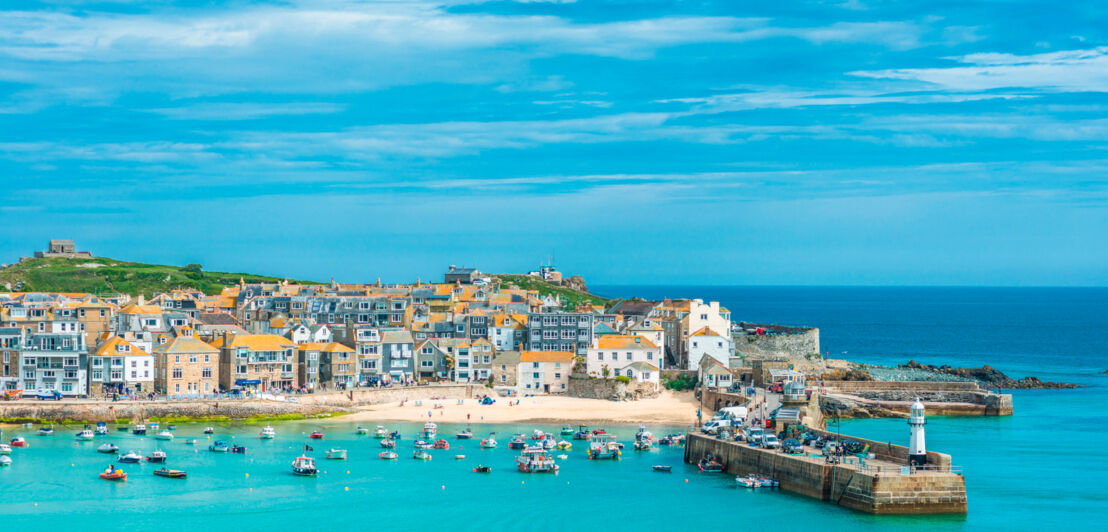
column 737, row 414
column 714, row 425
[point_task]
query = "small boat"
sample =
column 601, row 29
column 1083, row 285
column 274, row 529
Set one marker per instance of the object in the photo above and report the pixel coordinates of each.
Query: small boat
column 482, row 469
column 423, row 444
column 563, row 456
column 317, row 435
column 115, row 474
column 190, row 441
column 388, row 455
column 465, row 435
column 19, row 441
column 154, row 425
column 517, row 443
column 108, row 448
column 219, row 446
column 5, row 460
column 429, row 428
column 548, row 444
column 388, row 443
column 564, row 446
column 754, row 481
column 442, row 444
column 156, row 457
column 130, row 458
column 421, row 455
column 304, row 466
column 209, row 430
column 164, row 435
column 643, row 445
column 86, row 435
column 567, row 431
column 582, row 433
column 171, row 427
column 5, row 449
column 139, row 429
column 380, row 432
column 459, row 457
column 170, row 473
column 267, row 433
column 122, row 428
column 643, row 434
column 45, row 431
column 394, row 435
column 101, row 429
column 361, row 431
column 603, row 446
column 28, row 425
column 538, row 435
column 490, row 442
column 336, row 454
column 238, row 449
column 709, row 464
column 663, row 468
column 535, row 460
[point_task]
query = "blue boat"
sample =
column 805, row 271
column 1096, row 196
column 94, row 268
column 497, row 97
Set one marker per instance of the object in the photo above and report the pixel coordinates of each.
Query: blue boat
column 219, row 446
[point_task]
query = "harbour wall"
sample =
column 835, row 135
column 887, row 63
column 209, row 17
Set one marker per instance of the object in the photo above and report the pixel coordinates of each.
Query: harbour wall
column 790, row 343
column 715, row 399
column 611, row 389
column 869, row 490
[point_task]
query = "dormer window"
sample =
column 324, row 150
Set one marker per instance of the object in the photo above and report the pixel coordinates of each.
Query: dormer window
column 124, row 348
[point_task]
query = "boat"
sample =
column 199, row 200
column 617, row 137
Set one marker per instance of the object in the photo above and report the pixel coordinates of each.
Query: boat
column 465, row 435
column 336, row 454
column 28, row 425
column 317, row 435
column 380, row 432
column 5, row 449
column 131, row 457
column 19, row 441
column 538, row 435
column 154, row 425
column 564, row 446
column 643, row 445
column 490, row 442
column 190, row 441
column 170, row 473
column 122, row 428
column 482, row 469
column 754, row 481
column 548, row 444
column 603, row 446
column 361, row 431
column 86, row 435
column 517, row 442
column 267, row 433
column 395, row 435
column 567, row 431
column 442, row 444
column 671, row 439
column 101, row 429
column 238, row 449
column 5, row 460
column 156, row 457
column 45, row 431
column 709, row 464
column 423, row 444
column 304, row 466
column 171, row 427
column 421, row 455
column 219, row 446
column 114, row 474
column 582, row 433
column 164, row 435
column 388, row 443
column 535, row 460
column 108, row 448
column 663, row 468
column 139, row 429
column 643, row 434
column 459, row 457
column 563, row 456
column 209, row 430
column 388, row 455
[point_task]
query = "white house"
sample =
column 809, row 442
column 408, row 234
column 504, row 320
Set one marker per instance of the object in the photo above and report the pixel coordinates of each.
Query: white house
column 625, row 355
column 707, row 342
column 119, row 366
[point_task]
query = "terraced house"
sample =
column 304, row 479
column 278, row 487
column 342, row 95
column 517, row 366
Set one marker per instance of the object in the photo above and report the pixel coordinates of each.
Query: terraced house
column 559, row 331
column 119, row 366
column 54, row 354
column 262, row 362
column 186, row 366
column 334, row 364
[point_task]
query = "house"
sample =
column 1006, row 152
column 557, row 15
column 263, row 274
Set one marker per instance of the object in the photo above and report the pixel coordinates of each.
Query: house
column 431, row 359
column 263, row 362
column 613, row 356
column 184, row 365
column 505, row 371
column 119, row 366
column 64, row 249
column 54, row 355
column 707, row 342
column 334, row 365
column 644, row 372
column 397, row 350
column 461, row 275
column 506, row 331
column 713, row 374
column 481, row 352
column 366, row 342
column 11, row 340
column 559, row 331
column 681, row 318
column 544, row 371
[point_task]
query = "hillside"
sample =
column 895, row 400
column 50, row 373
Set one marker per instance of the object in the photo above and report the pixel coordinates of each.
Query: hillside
column 106, row 276
column 570, row 297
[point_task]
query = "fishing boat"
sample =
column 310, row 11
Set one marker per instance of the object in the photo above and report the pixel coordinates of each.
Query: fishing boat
column 548, row 444
column 131, row 457
column 663, row 468
column 122, row 428
column 108, row 448
column 317, row 435
column 582, row 433
column 267, row 433
column 209, row 430
column 156, row 457
column 5, row 449
column 101, row 429
column 423, row 444
column 442, row 444
column 86, row 435
column 219, row 446
column 304, row 466
column 643, row 434
column 380, row 432
column 164, row 435
column 171, row 427
column 603, row 446
column 5, row 460
column 709, row 464
column 139, row 429
column 388, row 443
column 114, row 474
column 238, row 449
column 336, row 454
column 459, row 457
column 388, row 455
column 490, row 442
column 361, row 431
column 170, row 473
column 482, row 469
column 190, row 441
column 421, row 455
column 154, row 426
column 394, row 435
column 538, row 434
column 754, row 481
column 45, row 431
column 567, row 431
column 517, row 442
column 565, row 446
column 535, row 460
column 465, row 435
column 19, row 441
column 429, row 429
column 643, row 445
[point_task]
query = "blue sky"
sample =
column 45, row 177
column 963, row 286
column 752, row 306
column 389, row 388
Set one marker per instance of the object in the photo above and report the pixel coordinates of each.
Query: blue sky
column 681, row 142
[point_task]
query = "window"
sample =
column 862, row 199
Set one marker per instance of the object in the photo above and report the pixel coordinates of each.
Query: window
column 704, row 316
column 206, row 373
column 503, row 378
column 534, row 364
column 535, row 375
column 96, row 362
column 628, row 355
column 192, row 359
column 600, row 356
column 134, row 374
column 177, row 387
column 649, row 355
column 177, row 359
column 694, row 344
column 557, row 375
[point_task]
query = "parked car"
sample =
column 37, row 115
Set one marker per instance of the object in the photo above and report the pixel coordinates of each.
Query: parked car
column 769, row 441
column 48, row 394
column 776, row 387
column 793, row 446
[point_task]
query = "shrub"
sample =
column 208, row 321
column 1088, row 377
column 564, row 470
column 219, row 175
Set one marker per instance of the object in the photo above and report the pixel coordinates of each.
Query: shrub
column 623, row 378
column 680, row 383
column 192, row 267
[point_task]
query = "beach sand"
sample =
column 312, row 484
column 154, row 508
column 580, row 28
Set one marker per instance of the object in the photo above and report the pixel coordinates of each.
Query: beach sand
column 669, row 408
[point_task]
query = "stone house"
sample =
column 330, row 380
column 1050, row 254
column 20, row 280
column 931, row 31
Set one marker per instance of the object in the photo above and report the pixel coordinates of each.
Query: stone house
column 544, row 371
column 505, row 371
column 263, row 362
column 184, row 365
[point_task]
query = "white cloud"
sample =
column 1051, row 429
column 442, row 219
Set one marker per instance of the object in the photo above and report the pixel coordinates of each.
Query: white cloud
column 246, row 111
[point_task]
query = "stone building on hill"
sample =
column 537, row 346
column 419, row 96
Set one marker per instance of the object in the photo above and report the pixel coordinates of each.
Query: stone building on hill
column 62, row 249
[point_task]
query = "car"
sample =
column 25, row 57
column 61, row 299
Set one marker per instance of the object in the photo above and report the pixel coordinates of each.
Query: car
column 48, row 394
column 769, row 441
column 793, row 446
column 819, row 442
column 776, row 387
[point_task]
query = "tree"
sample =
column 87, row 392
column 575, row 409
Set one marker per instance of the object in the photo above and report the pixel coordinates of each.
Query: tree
column 193, row 268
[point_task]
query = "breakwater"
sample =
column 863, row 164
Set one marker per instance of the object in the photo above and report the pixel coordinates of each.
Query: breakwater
column 877, row 486
column 863, row 399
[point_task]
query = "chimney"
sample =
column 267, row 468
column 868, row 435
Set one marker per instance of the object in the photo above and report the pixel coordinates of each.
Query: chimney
column 141, row 299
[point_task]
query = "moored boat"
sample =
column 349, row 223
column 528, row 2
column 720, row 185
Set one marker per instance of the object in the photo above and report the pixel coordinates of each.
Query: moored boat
column 130, row 457
column 388, row 443
column 663, row 468
column 5, row 460
column 209, row 430
column 388, row 455
column 710, row 464
column 170, row 473
column 643, row 445
column 538, row 434
column 567, row 431
column 101, row 429
column 86, row 435
column 108, row 448
column 465, row 435
column 336, row 454
column 536, row 460
column 219, row 446
column 238, row 449
column 582, row 433
column 154, row 426
column 380, row 432
column 190, row 441
column 304, row 466
column 482, row 469
column 316, row 435
column 564, row 445
column 603, row 446
column 114, row 474
column 423, row 444
column 18, row 441
column 442, row 444
column 490, row 442
column 754, row 481
column 395, row 435
column 164, row 435
column 45, row 431
column 267, row 433
column 361, row 431
column 459, row 457
column 517, row 442
column 5, row 449
column 139, row 429
column 156, row 457
column 420, row 454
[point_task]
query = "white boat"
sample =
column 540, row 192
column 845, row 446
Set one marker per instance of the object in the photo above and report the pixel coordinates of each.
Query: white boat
column 139, row 429
column 548, row 444
column 101, row 429
column 5, row 460
column 131, row 457
column 429, row 429
column 154, row 425
column 304, row 466
column 380, row 432
column 108, row 448
column 361, row 431
column 164, row 435
column 643, row 434
column 388, row 443
column 267, row 433
column 209, row 430
column 603, row 446
column 564, row 445
column 336, row 454
column 86, row 435
column 5, row 449
column 753, row 481
column 490, row 442
column 535, row 460
column 643, row 445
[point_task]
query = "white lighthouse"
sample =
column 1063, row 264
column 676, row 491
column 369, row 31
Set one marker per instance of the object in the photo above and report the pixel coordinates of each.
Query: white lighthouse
column 917, row 449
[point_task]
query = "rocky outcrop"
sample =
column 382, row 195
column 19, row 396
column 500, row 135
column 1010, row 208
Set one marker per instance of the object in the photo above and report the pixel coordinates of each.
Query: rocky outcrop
column 611, row 389
column 576, row 282
column 846, row 407
column 989, row 377
column 848, row 375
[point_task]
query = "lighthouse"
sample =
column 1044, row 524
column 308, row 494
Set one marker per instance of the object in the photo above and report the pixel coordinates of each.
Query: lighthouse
column 917, row 449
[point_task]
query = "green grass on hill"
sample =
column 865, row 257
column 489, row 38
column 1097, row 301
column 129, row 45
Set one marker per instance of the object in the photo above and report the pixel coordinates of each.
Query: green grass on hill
column 108, row 276
column 570, row 297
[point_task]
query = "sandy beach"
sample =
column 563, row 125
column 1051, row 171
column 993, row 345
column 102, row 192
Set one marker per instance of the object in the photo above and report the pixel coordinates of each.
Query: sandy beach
column 669, row 408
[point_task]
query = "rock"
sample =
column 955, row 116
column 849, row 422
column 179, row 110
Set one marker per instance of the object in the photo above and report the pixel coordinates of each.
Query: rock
column 576, row 282
column 990, row 378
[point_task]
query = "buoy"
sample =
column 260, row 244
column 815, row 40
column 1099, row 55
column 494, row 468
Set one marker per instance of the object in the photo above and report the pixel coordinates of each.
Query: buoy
column 347, row 472
column 251, row 489
column 347, row 488
column 248, row 475
column 444, row 486
column 686, row 481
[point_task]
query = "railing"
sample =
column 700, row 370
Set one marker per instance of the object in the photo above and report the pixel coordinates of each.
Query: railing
column 908, row 470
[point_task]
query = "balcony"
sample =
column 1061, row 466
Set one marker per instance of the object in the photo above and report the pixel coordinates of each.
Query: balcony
column 286, row 374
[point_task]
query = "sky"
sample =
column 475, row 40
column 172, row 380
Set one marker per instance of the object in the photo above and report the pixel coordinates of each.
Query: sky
column 853, row 142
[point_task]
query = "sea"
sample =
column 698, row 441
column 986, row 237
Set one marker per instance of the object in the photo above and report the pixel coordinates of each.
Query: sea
column 1043, row 466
